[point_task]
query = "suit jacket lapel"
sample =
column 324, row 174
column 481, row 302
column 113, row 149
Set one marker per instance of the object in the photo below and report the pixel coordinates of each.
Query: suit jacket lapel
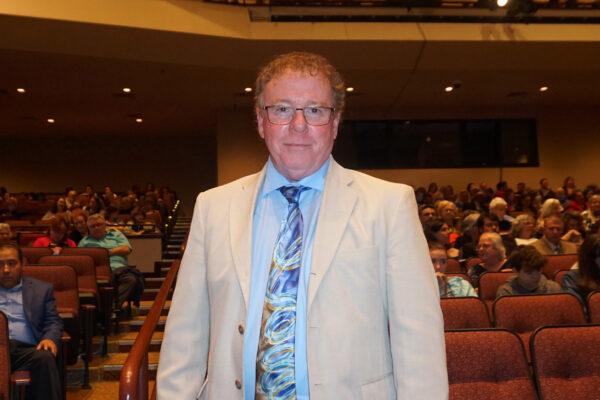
column 336, row 208
column 241, row 216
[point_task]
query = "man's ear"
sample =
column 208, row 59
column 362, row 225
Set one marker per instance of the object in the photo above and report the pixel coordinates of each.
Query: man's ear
column 336, row 123
column 259, row 122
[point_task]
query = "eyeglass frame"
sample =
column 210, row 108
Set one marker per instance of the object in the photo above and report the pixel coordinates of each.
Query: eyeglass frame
column 332, row 109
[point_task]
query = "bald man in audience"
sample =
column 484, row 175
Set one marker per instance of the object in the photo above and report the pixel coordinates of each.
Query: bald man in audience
column 551, row 243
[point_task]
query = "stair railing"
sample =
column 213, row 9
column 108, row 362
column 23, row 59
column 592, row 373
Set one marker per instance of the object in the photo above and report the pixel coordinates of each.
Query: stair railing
column 133, row 383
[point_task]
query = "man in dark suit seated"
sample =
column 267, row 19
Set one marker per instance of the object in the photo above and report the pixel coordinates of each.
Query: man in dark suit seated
column 551, row 242
column 34, row 325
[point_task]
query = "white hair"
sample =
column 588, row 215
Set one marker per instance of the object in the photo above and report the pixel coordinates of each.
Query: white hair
column 497, row 243
column 497, row 201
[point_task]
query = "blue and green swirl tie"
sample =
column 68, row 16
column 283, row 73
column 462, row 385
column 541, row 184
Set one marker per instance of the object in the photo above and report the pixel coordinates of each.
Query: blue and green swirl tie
column 275, row 378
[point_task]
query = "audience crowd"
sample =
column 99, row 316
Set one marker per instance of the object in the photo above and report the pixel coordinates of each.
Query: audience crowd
column 506, row 229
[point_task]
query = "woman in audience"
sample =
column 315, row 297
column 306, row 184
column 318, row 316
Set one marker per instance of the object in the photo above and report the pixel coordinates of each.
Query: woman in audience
column 523, row 229
column 450, row 286
column 56, row 237
column 438, row 231
column 585, row 279
column 448, row 212
column 467, row 242
column 528, row 263
column 492, row 253
column 59, row 207
column 5, row 233
column 569, row 186
column 80, row 228
column 574, row 229
column 549, row 207
column 95, row 206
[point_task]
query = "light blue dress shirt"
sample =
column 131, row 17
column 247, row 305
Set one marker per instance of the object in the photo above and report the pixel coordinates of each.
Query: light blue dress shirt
column 269, row 215
column 11, row 303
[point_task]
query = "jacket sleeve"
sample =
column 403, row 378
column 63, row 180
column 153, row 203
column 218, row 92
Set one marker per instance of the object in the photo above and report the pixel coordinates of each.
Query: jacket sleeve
column 415, row 318
column 53, row 325
column 184, row 352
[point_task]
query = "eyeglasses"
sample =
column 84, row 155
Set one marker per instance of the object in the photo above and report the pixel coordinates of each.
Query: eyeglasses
column 281, row 114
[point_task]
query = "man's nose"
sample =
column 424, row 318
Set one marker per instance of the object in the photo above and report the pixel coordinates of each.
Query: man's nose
column 299, row 121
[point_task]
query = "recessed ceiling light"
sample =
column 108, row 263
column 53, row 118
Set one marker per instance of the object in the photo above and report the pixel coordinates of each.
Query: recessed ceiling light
column 501, row 3
column 350, row 89
column 126, row 90
column 50, row 120
column 448, row 89
column 543, row 88
column 139, row 120
column 247, row 89
column 21, row 90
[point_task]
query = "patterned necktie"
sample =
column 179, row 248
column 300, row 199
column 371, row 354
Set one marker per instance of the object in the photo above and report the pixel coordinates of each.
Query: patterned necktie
column 275, row 377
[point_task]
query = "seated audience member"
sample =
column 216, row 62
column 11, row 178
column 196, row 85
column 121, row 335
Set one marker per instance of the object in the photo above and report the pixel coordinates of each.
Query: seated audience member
column 438, row 231
column 463, row 202
column 59, row 207
column 576, row 202
column 95, row 206
column 449, row 286
column 498, row 206
column 544, row 191
column 426, row 213
column 569, row 186
column 492, row 253
column 550, row 207
column 573, row 227
column 140, row 224
column 447, row 211
column 80, row 229
column 56, row 236
column 586, row 278
column 5, row 233
column 467, row 242
column 551, row 242
column 128, row 280
column 71, row 199
column 592, row 214
column 523, row 230
column 34, row 325
column 528, row 263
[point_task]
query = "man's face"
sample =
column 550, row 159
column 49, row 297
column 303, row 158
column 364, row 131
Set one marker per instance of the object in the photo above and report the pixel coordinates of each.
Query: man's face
column 485, row 249
column 499, row 210
column 439, row 259
column 427, row 214
column 490, row 225
column 298, row 149
column 10, row 268
column 594, row 204
column 545, row 183
column 4, row 235
column 553, row 229
column 80, row 224
column 450, row 212
column 529, row 279
column 97, row 228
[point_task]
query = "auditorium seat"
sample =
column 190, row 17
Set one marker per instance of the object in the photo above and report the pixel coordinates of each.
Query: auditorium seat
column 33, row 254
column 523, row 314
column 453, row 266
column 84, row 267
column 26, row 239
column 487, row 364
column 465, row 313
column 489, row 282
column 557, row 263
column 593, row 305
column 100, row 257
column 566, row 362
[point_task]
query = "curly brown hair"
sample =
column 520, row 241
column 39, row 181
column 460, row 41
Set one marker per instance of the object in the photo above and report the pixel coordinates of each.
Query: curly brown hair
column 528, row 259
column 305, row 63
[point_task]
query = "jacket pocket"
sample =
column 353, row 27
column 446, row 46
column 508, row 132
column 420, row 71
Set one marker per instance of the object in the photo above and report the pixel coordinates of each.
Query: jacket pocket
column 381, row 388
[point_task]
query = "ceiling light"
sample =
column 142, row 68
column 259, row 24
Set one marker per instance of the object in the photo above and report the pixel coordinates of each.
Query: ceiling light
column 21, row 90
column 50, row 120
column 448, row 89
column 247, row 89
column 350, row 89
column 126, row 90
column 139, row 120
column 501, row 3
column 543, row 88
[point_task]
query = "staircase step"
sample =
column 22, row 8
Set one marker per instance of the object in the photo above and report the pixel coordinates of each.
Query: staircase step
column 146, row 305
column 135, row 324
column 154, row 282
column 125, row 341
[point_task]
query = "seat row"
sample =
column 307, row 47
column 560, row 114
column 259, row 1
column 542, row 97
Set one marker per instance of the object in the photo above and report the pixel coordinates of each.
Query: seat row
column 491, row 364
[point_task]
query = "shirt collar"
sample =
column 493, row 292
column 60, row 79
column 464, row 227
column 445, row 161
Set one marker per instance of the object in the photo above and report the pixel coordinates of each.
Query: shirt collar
column 15, row 288
column 274, row 180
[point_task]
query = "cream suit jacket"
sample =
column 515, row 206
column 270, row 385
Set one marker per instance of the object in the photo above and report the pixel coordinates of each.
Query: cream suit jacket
column 375, row 329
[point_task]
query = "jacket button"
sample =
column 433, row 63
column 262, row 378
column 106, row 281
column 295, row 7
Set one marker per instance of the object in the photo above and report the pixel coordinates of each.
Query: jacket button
column 241, row 329
column 238, row 384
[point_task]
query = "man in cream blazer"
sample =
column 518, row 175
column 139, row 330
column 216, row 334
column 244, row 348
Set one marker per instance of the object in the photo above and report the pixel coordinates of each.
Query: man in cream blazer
column 374, row 325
